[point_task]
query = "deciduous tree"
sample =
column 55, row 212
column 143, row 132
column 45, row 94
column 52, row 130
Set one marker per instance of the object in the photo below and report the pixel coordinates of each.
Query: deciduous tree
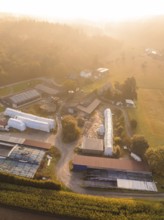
column 155, row 158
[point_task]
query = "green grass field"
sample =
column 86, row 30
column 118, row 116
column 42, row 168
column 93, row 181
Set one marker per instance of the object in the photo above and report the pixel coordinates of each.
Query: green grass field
column 148, row 72
column 149, row 115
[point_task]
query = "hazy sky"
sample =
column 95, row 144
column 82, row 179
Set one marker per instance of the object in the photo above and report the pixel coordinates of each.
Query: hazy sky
column 94, row 10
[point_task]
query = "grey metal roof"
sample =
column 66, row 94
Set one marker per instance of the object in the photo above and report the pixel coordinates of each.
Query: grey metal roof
column 90, row 108
column 10, row 139
column 30, row 155
column 25, row 96
column 136, row 185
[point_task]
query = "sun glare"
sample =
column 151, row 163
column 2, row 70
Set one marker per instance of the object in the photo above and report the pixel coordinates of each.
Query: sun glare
column 94, row 10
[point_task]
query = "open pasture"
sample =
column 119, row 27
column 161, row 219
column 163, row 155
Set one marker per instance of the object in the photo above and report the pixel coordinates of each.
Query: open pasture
column 150, row 115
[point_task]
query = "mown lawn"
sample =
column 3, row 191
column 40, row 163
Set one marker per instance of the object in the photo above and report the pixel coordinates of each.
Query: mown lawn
column 150, row 115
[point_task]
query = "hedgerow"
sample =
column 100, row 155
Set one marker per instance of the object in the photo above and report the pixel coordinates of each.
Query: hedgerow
column 79, row 206
column 9, row 178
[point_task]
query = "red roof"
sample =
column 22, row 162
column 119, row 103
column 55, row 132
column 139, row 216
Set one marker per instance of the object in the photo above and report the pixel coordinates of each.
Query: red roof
column 108, row 163
column 38, row 144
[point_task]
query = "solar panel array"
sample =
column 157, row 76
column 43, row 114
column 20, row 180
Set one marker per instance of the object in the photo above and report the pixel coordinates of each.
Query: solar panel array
column 22, row 161
column 18, row 168
column 25, row 96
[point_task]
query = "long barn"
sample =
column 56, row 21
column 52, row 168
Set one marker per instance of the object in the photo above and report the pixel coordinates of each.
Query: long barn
column 101, row 172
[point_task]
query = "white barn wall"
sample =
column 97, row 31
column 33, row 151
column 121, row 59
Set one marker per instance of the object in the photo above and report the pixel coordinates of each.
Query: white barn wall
column 108, row 138
column 35, row 124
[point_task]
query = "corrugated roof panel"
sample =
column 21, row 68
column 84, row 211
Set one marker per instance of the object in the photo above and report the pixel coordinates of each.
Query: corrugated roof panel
column 10, row 139
column 108, row 163
column 90, row 108
column 136, row 185
column 38, row 144
column 25, row 96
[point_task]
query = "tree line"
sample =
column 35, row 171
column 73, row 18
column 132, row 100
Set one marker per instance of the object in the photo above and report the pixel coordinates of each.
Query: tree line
column 31, row 48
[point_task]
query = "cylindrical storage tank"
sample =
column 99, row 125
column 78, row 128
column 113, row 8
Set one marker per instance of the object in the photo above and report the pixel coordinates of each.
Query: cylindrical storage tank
column 17, row 124
column 35, row 124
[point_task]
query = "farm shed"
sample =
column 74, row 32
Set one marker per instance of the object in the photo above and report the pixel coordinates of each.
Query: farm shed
column 90, row 162
column 92, row 146
column 35, row 124
column 108, row 138
column 90, row 108
column 37, row 144
column 10, row 139
column 22, row 161
column 15, row 113
column 24, row 142
column 24, row 98
column 45, row 89
column 17, row 124
column 136, row 185
column 114, row 173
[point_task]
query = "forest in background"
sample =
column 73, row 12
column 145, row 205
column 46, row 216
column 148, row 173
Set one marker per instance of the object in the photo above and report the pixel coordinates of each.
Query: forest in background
column 31, row 49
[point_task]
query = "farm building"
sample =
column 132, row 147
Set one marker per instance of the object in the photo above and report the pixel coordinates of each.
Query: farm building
column 21, row 156
column 34, row 124
column 25, row 142
column 128, row 165
column 91, row 146
column 24, row 98
column 18, row 160
column 117, row 173
column 89, row 108
column 45, row 89
column 36, row 144
column 108, row 138
column 31, row 121
column 17, row 124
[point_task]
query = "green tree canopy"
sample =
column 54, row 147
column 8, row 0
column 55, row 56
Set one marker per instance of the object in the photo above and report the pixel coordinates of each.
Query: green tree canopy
column 70, row 130
column 155, row 158
column 139, row 145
